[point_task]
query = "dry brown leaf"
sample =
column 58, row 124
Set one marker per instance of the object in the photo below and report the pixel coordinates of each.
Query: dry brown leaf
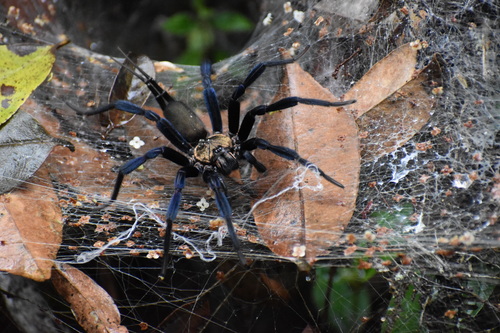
column 275, row 286
column 393, row 122
column 383, row 79
column 394, row 101
column 128, row 87
column 92, row 306
column 30, row 229
column 303, row 224
column 86, row 168
column 91, row 171
column 190, row 317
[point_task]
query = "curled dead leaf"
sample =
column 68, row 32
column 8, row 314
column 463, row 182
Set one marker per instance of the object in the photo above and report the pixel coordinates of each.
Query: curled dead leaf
column 301, row 223
column 93, row 307
column 30, row 229
column 394, row 101
column 383, row 79
column 128, row 87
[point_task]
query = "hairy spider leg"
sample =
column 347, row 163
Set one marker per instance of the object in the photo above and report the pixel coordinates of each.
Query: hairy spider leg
column 287, row 153
column 243, row 130
column 217, row 185
column 164, row 125
column 233, row 109
column 210, row 97
column 161, row 95
column 285, row 103
column 253, row 161
column 173, row 209
column 211, row 177
column 133, row 164
column 178, row 113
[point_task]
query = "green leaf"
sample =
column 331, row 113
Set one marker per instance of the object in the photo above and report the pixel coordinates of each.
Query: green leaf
column 232, row 22
column 200, row 39
column 408, row 312
column 349, row 298
column 23, row 68
column 396, row 219
column 190, row 57
column 483, row 291
column 179, row 24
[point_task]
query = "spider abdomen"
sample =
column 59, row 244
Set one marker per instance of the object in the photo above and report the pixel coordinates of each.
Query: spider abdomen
column 185, row 121
column 217, row 150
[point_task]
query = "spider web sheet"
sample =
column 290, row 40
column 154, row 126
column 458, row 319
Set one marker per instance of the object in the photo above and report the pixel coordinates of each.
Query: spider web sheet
column 420, row 251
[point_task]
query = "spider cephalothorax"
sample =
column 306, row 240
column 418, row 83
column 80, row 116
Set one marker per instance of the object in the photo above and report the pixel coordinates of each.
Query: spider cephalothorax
column 208, row 155
column 217, row 150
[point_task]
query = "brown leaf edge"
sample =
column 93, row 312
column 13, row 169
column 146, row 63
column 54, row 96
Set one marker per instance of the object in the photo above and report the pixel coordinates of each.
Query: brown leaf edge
column 393, row 122
column 302, row 224
column 93, row 307
column 394, row 100
column 383, row 79
column 30, row 229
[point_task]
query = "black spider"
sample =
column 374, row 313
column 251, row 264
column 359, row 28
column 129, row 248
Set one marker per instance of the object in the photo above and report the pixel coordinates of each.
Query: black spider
column 208, row 155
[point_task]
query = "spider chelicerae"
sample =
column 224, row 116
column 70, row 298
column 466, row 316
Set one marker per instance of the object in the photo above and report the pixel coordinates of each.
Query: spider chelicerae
column 209, row 155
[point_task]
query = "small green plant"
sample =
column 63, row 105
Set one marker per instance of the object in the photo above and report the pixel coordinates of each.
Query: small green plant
column 397, row 219
column 199, row 29
column 409, row 310
column 342, row 296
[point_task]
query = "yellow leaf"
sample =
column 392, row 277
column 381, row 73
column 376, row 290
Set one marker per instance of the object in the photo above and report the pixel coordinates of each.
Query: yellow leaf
column 23, row 67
